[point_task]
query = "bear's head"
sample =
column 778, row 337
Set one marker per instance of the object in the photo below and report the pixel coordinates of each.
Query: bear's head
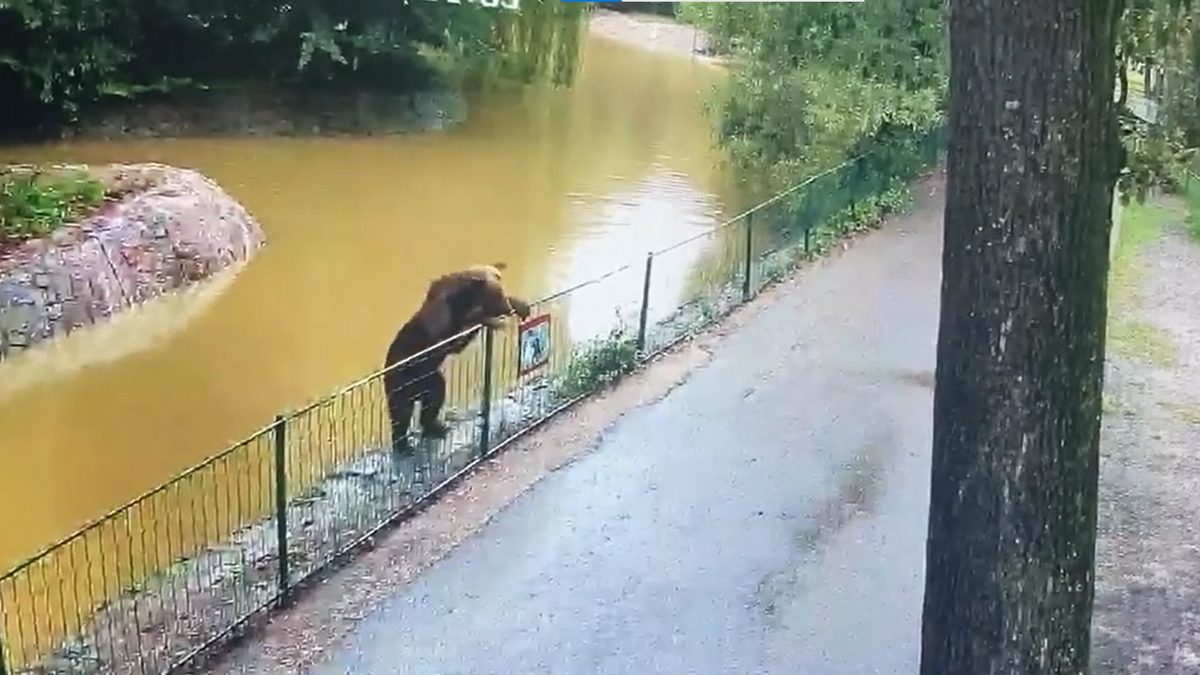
column 459, row 300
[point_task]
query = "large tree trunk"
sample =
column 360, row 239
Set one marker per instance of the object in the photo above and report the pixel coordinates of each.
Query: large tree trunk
column 1033, row 159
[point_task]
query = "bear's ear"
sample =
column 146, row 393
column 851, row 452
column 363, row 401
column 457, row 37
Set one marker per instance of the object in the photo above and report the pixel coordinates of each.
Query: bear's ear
column 500, row 266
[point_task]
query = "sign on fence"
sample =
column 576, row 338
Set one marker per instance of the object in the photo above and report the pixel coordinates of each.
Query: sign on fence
column 533, row 343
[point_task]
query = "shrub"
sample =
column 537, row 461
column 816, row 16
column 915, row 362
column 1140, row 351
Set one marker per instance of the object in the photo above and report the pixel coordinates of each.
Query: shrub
column 595, row 364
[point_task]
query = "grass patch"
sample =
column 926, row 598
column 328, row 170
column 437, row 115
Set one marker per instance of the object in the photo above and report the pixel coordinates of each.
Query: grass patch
column 1141, row 340
column 1109, row 405
column 1188, row 413
column 1141, row 224
column 35, row 202
column 596, row 364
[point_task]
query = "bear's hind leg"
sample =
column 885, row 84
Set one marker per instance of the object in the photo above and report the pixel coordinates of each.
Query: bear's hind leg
column 433, row 397
column 401, row 402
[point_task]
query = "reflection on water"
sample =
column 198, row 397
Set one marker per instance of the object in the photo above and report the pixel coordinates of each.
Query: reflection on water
column 662, row 208
column 138, row 328
column 559, row 184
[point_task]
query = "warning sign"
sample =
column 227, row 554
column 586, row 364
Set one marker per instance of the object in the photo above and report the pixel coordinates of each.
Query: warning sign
column 533, row 343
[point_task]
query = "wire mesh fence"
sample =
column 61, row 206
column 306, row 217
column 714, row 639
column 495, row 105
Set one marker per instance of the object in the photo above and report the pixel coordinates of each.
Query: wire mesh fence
column 693, row 283
column 137, row 590
column 161, row 580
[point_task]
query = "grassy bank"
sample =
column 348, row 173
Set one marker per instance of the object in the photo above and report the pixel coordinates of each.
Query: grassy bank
column 1142, row 224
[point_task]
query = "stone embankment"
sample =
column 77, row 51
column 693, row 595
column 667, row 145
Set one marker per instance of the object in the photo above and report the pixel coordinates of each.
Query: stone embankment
column 167, row 228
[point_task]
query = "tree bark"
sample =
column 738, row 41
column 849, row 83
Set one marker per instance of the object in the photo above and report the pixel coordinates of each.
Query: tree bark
column 1032, row 162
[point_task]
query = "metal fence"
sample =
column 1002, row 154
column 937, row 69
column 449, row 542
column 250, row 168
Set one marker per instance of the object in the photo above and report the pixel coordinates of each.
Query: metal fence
column 160, row 581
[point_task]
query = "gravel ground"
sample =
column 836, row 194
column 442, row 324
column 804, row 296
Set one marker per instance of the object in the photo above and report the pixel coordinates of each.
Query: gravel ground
column 1147, row 617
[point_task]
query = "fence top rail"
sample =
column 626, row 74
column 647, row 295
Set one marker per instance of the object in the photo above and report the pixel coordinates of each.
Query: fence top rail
column 583, row 284
column 758, row 207
column 367, row 379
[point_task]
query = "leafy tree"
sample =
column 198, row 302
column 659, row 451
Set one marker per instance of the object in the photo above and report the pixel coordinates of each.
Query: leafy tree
column 57, row 56
column 1032, row 161
column 818, row 82
column 1161, row 34
column 542, row 42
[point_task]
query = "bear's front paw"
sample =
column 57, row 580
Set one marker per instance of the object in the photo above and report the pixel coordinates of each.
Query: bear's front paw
column 520, row 307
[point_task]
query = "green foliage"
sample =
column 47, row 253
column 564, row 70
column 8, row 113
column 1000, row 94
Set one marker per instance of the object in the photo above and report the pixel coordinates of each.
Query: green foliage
column 1162, row 35
column 869, row 213
column 776, row 265
column 56, row 55
column 35, row 203
column 1147, row 27
column 897, row 198
column 59, row 56
column 1154, row 158
column 543, row 42
column 596, row 364
column 820, row 83
column 861, row 209
column 703, row 311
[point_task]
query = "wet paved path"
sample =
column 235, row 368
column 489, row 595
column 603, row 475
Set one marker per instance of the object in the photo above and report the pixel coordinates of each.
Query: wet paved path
column 767, row 516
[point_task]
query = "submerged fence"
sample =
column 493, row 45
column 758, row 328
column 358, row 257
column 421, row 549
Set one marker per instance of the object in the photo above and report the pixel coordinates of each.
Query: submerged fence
column 163, row 579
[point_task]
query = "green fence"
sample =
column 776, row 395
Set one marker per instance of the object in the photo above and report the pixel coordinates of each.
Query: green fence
column 157, row 583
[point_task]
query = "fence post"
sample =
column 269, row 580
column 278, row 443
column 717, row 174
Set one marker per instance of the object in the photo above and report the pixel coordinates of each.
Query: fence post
column 486, row 430
column 3, row 668
column 281, row 524
column 644, row 314
column 749, row 257
column 807, row 229
column 852, row 182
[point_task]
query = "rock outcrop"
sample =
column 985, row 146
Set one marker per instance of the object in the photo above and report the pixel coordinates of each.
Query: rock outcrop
column 170, row 228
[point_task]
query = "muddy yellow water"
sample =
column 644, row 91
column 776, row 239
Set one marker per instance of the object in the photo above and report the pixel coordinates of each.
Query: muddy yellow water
column 562, row 185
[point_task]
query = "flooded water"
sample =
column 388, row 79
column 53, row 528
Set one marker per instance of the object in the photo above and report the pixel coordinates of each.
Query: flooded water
column 562, row 185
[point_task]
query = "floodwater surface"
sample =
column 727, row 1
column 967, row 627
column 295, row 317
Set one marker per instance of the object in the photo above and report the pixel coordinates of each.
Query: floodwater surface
column 560, row 184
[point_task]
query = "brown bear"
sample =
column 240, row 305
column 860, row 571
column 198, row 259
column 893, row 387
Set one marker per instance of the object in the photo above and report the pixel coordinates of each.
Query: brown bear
column 453, row 303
